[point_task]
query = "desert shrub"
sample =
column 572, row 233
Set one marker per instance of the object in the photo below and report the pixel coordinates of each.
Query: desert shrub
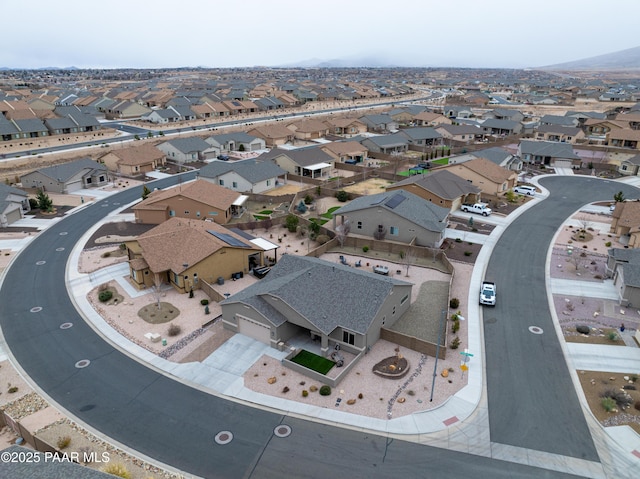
column 458, row 240
column 106, row 254
column 325, row 390
column 607, row 244
column 608, row 404
column 313, row 389
column 305, row 393
column 322, row 239
column 285, row 389
column 117, row 469
column 365, row 248
column 360, row 396
column 63, row 442
column 123, row 246
column 455, row 327
column 454, row 303
column 174, row 330
column 291, row 223
column 468, row 253
column 455, row 343
column 620, row 398
column 582, row 329
column 342, row 196
column 12, row 389
column 308, row 200
column 204, row 302
column 637, row 405
column 104, row 296
column 612, row 336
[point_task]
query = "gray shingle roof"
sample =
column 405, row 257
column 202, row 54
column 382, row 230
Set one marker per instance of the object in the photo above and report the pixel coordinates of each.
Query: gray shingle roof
column 65, row 171
column 328, row 294
column 494, row 154
column 302, row 156
column 443, row 184
column 252, row 170
column 548, row 148
column 404, row 204
column 188, row 145
column 420, row 133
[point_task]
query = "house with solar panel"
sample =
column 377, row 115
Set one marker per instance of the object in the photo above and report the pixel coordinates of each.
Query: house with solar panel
column 397, row 216
column 185, row 253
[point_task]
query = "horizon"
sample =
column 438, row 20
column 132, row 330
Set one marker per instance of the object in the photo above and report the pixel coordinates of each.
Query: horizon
column 496, row 34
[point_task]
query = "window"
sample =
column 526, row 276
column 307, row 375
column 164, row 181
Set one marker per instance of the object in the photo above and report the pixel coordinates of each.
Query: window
column 268, row 182
column 235, row 184
column 394, row 311
column 404, row 299
column 89, row 180
column 359, row 225
column 186, row 212
column 172, row 213
column 197, row 214
column 221, row 182
column 393, row 230
column 101, row 179
column 348, row 337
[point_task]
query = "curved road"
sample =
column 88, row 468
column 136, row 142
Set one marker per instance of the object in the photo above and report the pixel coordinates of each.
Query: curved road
column 531, row 397
column 176, row 424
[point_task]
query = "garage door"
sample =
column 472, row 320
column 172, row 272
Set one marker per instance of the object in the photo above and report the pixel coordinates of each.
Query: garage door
column 254, row 329
column 13, row 216
column 562, row 164
column 74, row 186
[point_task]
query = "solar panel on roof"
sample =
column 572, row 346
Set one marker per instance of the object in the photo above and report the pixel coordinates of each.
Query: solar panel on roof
column 395, row 200
column 230, row 240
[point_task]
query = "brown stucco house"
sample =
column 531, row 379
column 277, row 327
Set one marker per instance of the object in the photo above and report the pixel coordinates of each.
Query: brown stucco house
column 198, row 200
column 273, row 135
column 184, row 252
column 492, row 179
column 441, row 187
column 625, row 222
column 134, row 161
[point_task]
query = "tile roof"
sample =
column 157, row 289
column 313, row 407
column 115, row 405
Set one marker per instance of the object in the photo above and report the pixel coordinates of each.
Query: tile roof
column 138, row 155
column 179, row 243
column 488, row 169
column 202, row 191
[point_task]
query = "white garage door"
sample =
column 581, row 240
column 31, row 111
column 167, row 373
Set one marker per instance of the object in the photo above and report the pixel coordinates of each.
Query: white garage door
column 254, row 329
column 74, row 186
column 562, row 164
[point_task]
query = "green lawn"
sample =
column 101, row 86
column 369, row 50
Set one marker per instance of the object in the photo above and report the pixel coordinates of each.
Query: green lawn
column 441, row 161
column 329, row 211
column 313, row 362
column 265, row 212
column 319, row 221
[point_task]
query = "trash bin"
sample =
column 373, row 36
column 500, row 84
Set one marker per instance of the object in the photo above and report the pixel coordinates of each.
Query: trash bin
column 164, row 342
column 220, row 280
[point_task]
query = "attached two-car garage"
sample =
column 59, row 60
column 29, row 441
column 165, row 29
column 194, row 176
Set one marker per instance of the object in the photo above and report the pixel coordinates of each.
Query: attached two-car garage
column 258, row 331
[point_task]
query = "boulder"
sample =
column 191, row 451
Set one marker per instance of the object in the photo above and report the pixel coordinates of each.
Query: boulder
column 582, row 329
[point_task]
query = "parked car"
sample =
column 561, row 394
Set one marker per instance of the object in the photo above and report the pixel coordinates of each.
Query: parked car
column 478, row 208
column 525, row 190
column 223, row 157
column 424, row 166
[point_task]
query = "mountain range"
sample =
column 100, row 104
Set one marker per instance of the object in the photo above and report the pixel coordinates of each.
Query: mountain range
column 628, row 59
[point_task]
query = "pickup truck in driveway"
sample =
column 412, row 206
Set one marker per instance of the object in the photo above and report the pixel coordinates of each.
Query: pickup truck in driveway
column 478, row 208
column 488, row 293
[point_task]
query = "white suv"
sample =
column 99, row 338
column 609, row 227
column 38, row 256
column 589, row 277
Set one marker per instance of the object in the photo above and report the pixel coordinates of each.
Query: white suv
column 525, row 190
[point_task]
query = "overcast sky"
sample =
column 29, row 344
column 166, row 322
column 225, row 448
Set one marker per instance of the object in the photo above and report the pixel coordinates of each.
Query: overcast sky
column 224, row 33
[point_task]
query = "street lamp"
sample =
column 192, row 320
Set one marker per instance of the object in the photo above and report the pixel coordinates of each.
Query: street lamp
column 435, row 366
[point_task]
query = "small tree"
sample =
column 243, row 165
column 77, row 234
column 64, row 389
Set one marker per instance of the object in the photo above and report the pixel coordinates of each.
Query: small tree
column 408, row 258
column 44, row 202
column 618, row 197
column 342, row 196
column 291, row 222
column 342, row 231
column 145, row 192
column 241, row 147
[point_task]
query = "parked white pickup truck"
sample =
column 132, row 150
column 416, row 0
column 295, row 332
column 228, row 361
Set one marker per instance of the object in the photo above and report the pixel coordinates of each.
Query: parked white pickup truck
column 478, row 208
column 488, row 293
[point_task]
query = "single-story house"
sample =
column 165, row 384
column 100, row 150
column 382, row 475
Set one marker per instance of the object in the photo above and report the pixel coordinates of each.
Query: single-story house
column 422, row 136
column 183, row 253
column 246, row 176
column 197, row 200
column 309, row 129
column 388, row 144
column 496, row 127
column 343, row 151
column 549, row 153
column 273, row 135
column 237, row 141
column 135, row 160
column 312, row 162
column 380, row 123
column 356, row 304
column 397, row 216
column 346, row 126
column 460, row 133
column 492, row 179
column 564, row 134
column 623, row 265
column 67, row 177
column 14, row 203
column 440, row 187
column 500, row 157
column 626, row 222
column 624, row 138
column 630, row 166
column 186, row 150
column 125, row 109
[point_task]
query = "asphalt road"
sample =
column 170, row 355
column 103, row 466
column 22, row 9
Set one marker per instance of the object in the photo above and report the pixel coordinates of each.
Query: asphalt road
column 531, row 398
column 176, row 424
